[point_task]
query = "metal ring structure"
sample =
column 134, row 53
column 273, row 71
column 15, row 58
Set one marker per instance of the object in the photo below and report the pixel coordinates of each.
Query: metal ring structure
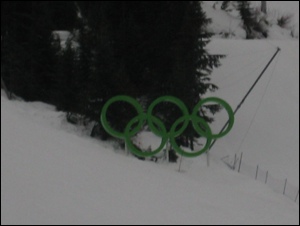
column 158, row 128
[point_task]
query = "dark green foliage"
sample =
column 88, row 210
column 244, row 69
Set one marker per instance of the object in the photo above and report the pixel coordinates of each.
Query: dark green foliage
column 141, row 49
column 285, row 20
column 144, row 49
column 247, row 17
column 63, row 15
column 66, row 80
column 225, row 5
column 172, row 156
column 28, row 51
column 253, row 28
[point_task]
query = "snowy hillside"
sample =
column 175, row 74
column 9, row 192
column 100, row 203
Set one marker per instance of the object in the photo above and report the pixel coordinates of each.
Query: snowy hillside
column 53, row 173
column 50, row 176
column 228, row 23
column 267, row 124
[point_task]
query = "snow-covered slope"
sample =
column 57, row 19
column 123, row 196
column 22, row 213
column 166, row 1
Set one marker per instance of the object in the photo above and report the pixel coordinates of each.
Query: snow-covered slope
column 51, row 176
column 228, row 23
column 53, row 173
column 267, row 125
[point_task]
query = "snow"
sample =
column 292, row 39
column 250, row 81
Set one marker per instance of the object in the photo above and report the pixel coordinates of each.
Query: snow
column 229, row 22
column 49, row 176
column 283, row 8
column 273, row 137
column 65, row 36
column 53, row 173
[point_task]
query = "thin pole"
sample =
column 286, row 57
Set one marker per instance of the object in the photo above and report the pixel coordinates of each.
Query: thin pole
column 180, row 163
column 284, row 186
column 240, row 162
column 234, row 162
column 266, row 177
column 256, row 172
column 126, row 149
column 264, row 6
column 207, row 158
column 247, row 94
column 167, row 151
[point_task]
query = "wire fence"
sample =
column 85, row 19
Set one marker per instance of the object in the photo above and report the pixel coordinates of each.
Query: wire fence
column 278, row 185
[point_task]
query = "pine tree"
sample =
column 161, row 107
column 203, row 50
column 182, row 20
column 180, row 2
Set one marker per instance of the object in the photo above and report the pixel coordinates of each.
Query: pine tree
column 66, row 81
column 247, row 17
column 182, row 65
column 27, row 52
column 253, row 27
column 145, row 50
column 63, row 15
column 225, row 5
column 193, row 63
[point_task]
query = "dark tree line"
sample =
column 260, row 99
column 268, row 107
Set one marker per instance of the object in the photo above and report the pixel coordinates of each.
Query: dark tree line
column 28, row 53
column 141, row 49
column 254, row 25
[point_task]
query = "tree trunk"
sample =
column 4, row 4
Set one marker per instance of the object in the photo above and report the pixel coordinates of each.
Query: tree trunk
column 264, row 6
column 191, row 142
column 5, row 89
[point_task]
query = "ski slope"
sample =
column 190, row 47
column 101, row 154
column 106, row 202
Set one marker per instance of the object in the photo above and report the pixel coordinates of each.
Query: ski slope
column 267, row 124
column 53, row 173
column 230, row 23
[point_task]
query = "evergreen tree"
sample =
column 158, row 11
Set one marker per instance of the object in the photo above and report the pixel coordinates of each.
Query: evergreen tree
column 253, row 28
column 247, row 17
column 225, row 5
column 63, row 15
column 193, row 63
column 141, row 49
column 27, row 52
column 66, row 82
column 94, row 56
column 183, row 66
column 145, row 49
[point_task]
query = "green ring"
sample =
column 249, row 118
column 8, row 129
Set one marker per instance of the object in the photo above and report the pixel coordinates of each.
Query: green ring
column 173, row 100
column 103, row 117
column 227, row 108
column 206, row 134
column 162, row 132
column 136, row 150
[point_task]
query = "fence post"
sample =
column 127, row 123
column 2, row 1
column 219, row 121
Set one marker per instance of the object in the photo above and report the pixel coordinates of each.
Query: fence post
column 266, row 177
column 256, row 172
column 207, row 158
column 234, row 162
column 167, row 151
column 180, row 163
column 240, row 161
column 284, row 186
column 126, row 149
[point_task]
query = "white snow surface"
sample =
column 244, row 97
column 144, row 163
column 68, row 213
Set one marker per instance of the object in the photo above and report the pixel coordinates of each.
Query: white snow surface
column 230, row 22
column 53, row 173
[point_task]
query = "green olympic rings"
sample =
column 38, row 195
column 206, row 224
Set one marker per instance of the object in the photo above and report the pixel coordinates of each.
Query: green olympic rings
column 227, row 108
column 158, row 127
column 173, row 100
column 129, row 134
column 131, row 101
column 207, row 133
